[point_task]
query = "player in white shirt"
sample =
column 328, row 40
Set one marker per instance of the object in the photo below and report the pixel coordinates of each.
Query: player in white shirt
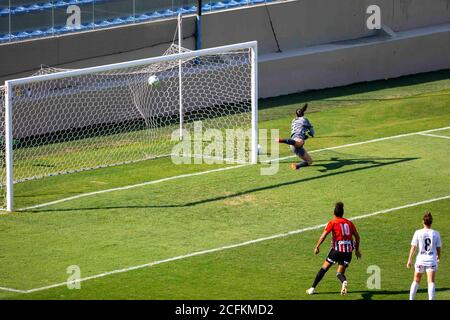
column 427, row 242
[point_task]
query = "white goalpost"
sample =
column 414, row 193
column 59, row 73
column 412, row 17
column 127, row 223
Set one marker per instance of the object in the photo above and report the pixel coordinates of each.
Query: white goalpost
column 180, row 70
column 67, row 121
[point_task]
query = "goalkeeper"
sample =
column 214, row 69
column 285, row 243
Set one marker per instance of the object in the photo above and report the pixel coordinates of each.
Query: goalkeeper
column 301, row 128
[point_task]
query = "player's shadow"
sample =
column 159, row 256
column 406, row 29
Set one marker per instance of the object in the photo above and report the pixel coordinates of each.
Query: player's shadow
column 370, row 294
column 334, row 165
column 334, row 136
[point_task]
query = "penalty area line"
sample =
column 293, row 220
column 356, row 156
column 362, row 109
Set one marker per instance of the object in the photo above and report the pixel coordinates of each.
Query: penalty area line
column 434, row 135
column 227, row 247
column 82, row 195
column 366, row 142
column 12, row 290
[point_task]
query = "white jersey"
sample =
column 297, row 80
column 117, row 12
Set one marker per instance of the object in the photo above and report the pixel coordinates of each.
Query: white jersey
column 427, row 241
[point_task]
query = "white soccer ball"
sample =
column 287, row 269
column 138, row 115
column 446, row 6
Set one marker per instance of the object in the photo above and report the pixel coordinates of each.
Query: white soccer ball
column 153, row 80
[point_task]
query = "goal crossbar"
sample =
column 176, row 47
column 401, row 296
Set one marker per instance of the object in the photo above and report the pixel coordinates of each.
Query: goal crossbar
column 135, row 63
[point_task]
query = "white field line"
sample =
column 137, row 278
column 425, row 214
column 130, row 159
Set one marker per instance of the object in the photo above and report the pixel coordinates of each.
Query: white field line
column 82, row 195
column 434, row 135
column 237, row 245
column 366, row 142
column 12, row 290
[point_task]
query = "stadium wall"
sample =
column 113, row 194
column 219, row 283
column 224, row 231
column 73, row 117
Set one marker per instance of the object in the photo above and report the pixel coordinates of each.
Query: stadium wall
column 346, row 62
column 324, row 43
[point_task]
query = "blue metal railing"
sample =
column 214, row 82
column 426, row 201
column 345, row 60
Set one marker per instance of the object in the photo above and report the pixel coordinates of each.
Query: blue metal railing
column 25, row 19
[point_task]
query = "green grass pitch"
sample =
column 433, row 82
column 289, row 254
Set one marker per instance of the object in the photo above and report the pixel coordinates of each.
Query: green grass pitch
column 126, row 228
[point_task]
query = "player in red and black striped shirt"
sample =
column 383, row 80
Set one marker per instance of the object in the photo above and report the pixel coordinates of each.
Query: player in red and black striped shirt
column 343, row 231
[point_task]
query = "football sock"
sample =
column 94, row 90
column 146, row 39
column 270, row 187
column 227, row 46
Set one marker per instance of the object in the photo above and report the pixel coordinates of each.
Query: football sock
column 303, row 164
column 413, row 290
column 287, row 141
column 431, row 290
column 319, row 277
column 341, row 277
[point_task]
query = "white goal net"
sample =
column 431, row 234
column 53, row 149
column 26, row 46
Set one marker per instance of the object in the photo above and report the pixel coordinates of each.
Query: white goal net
column 65, row 121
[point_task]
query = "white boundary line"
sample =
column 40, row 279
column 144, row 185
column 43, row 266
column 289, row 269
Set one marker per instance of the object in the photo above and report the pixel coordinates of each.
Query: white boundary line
column 237, row 245
column 434, row 135
column 82, row 195
column 12, row 290
column 369, row 141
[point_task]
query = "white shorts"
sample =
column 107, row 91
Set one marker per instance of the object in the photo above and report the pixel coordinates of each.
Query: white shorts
column 422, row 269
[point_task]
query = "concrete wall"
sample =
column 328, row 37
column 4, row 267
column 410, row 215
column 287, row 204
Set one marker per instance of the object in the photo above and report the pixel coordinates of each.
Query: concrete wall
column 356, row 61
column 299, row 25
column 410, row 14
column 296, row 24
column 305, row 23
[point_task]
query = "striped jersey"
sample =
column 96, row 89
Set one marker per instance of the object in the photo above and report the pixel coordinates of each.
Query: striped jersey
column 342, row 231
column 427, row 241
column 300, row 126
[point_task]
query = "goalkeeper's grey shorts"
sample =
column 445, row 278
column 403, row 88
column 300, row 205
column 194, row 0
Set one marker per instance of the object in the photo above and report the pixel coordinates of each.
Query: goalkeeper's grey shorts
column 298, row 151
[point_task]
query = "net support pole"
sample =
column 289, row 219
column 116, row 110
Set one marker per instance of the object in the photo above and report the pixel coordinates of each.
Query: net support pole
column 180, row 79
column 9, row 20
column 8, row 148
column 198, row 25
column 254, row 93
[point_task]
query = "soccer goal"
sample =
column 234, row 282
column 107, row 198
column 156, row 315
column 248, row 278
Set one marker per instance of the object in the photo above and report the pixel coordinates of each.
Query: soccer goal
column 66, row 121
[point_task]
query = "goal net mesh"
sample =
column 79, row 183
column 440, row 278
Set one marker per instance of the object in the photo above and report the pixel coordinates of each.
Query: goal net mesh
column 95, row 120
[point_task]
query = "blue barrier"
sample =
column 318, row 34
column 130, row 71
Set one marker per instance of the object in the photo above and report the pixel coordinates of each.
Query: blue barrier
column 65, row 3
column 148, row 16
column 5, row 12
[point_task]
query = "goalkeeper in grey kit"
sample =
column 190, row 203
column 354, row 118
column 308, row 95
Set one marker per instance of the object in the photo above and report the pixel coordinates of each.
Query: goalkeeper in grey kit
column 301, row 129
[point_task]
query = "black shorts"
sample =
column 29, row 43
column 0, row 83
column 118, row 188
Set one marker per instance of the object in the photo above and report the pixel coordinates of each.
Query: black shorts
column 341, row 258
column 298, row 151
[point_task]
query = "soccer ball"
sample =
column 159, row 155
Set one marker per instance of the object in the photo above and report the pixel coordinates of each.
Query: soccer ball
column 259, row 149
column 153, row 80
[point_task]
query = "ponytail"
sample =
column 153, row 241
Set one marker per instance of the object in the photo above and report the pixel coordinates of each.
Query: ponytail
column 428, row 219
column 300, row 112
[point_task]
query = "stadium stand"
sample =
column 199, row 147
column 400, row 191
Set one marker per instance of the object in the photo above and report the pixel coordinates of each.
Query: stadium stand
column 32, row 19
